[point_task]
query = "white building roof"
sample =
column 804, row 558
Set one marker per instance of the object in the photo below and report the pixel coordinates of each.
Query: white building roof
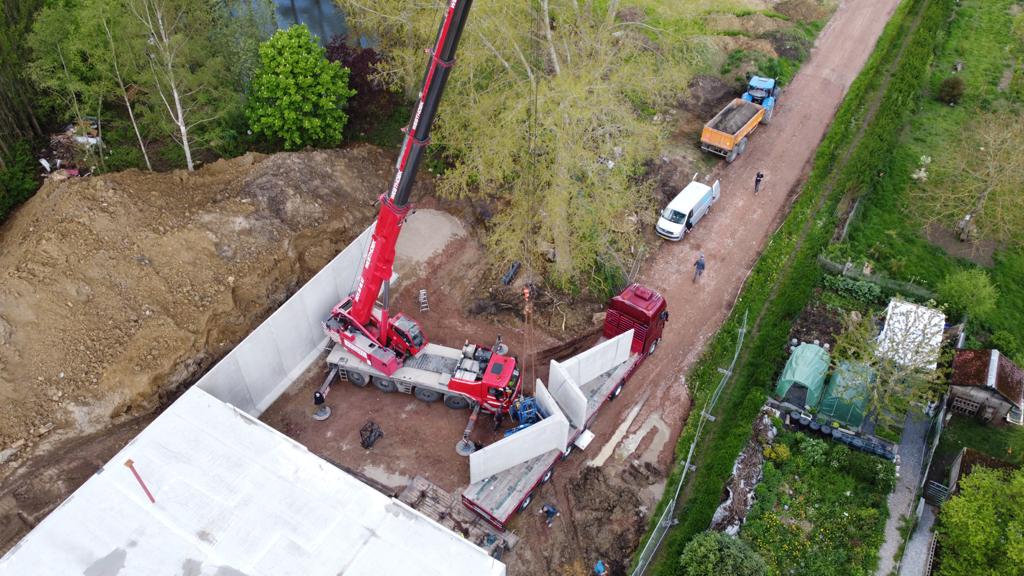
column 912, row 335
column 234, row 497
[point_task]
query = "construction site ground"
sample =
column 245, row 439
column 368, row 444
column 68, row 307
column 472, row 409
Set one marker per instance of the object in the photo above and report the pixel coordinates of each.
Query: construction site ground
column 103, row 314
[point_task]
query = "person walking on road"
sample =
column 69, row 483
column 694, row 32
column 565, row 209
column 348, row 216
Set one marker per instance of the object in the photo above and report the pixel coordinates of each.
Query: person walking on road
column 549, row 512
column 757, row 181
column 698, row 267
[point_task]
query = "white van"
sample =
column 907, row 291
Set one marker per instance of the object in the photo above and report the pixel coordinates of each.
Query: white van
column 686, row 209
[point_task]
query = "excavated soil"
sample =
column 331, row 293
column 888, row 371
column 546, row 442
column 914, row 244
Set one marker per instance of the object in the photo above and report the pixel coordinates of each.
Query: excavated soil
column 118, row 290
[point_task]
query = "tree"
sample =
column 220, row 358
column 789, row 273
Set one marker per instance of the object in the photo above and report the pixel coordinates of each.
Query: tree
column 896, row 384
column 981, row 529
column 297, row 96
column 713, row 554
column 551, row 116
column 975, row 181
column 373, row 101
column 18, row 95
column 969, row 292
column 64, row 68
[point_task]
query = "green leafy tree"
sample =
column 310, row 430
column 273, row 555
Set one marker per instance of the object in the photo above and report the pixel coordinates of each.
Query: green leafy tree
column 551, row 115
column 17, row 177
column 896, row 385
column 714, row 554
column 969, row 291
column 297, row 96
column 981, row 529
column 18, row 94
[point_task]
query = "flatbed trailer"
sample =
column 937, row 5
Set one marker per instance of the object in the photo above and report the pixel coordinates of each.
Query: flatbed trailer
column 428, row 375
column 726, row 133
column 499, row 497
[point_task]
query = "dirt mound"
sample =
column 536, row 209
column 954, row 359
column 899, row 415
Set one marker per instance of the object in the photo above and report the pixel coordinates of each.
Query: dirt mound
column 116, row 290
column 606, row 518
column 803, row 10
column 750, row 25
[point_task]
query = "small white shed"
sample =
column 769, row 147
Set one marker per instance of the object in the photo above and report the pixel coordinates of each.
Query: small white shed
column 912, row 335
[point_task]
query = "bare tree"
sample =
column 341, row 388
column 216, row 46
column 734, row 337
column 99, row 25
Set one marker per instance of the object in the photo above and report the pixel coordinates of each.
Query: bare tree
column 975, row 183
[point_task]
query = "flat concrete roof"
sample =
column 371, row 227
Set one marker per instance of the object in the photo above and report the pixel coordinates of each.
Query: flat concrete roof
column 233, row 497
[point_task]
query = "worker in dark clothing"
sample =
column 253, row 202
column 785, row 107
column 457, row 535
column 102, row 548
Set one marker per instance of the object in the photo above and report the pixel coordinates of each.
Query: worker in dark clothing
column 757, row 181
column 698, row 267
column 549, row 512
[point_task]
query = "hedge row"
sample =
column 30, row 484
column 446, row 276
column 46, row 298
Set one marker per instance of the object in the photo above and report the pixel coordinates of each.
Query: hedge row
column 784, row 277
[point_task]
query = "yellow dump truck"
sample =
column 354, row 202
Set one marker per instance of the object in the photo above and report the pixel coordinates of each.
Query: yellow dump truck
column 726, row 133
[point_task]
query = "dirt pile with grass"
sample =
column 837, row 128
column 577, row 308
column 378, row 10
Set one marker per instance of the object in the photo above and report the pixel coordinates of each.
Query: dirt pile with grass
column 117, row 290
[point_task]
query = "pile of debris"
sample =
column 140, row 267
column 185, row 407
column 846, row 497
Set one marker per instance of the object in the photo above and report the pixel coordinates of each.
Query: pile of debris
column 746, row 474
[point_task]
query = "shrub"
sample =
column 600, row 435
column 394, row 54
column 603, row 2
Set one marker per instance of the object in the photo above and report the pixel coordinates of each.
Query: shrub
column 857, row 289
column 970, row 292
column 297, row 96
column 777, row 452
column 871, row 470
column 713, row 553
column 1006, row 343
column 17, row 181
column 951, row 90
column 813, row 449
column 372, row 101
column 839, row 457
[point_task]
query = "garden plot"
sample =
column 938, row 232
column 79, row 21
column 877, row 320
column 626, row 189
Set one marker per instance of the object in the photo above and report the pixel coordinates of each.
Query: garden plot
column 820, row 508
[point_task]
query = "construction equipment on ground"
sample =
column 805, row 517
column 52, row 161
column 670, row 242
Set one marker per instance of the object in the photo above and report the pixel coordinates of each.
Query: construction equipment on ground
column 726, row 134
column 392, row 352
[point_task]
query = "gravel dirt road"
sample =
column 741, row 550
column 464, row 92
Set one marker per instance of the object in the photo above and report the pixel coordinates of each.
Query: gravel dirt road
column 731, row 239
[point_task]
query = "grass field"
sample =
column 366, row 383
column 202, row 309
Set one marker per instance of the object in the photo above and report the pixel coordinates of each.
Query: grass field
column 887, row 231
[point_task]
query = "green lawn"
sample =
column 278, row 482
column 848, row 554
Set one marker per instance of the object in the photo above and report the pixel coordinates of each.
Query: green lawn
column 886, row 232
column 1002, row 442
column 820, row 511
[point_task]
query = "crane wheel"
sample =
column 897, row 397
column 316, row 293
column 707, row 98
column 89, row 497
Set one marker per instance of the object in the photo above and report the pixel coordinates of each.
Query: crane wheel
column 456, row 402
column 356, row 378
column 547, row 476
column 526, row 503
column 384, row 385
column 427, row 395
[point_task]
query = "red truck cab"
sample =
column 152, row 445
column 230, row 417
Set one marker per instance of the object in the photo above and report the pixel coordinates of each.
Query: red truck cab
column 641, row 309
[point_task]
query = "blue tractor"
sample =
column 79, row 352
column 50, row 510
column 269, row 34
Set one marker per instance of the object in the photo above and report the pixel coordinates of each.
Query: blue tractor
column 763, row 91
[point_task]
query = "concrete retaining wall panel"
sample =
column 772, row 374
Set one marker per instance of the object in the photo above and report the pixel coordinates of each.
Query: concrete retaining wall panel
column 253, row 375
column 549, row 434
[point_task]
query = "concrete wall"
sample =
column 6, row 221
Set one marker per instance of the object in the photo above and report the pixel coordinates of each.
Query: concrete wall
column 985, row 397
column 253, row 375
column 551, row 433
column 568, row 395
column 590, row 364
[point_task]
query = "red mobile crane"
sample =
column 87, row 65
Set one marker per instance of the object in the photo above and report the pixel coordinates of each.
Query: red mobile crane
column 392, row 352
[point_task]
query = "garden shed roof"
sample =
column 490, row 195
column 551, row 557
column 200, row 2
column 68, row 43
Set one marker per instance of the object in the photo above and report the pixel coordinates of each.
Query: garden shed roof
column 846, row 398
column 912, row 335
column 806, row 368
column 989, row 369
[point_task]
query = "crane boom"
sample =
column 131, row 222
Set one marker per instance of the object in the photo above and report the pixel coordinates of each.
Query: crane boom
column 394, row 207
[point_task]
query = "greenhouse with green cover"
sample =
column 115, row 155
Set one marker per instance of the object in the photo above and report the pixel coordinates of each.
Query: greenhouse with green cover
column 803, row 378
column 846, row 398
